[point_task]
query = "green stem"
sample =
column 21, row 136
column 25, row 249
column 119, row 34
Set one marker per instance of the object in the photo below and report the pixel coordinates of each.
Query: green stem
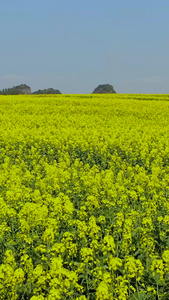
column 137, row 287
column 157, row 292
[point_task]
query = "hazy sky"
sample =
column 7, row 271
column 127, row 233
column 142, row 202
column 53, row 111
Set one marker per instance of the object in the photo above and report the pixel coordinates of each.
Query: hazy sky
column 75, row 45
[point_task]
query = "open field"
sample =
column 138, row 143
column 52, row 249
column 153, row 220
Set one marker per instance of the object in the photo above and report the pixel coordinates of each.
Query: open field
column 84, row 197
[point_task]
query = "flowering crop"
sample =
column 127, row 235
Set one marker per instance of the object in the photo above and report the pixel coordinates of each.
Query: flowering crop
column 84, row 197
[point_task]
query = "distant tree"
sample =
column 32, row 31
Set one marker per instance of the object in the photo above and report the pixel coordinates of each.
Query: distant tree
column 47, row 91
column 104, row 89
column 17, row 90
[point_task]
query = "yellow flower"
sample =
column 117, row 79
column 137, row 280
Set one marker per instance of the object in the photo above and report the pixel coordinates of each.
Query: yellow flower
column 121, row 288
column 102, row 292
column 108, row 244
column 37, row 298
column 9, row 258
column 133, row 268
column 157, row 267
column 114, row 263
column 87, row 254
column 102, row 219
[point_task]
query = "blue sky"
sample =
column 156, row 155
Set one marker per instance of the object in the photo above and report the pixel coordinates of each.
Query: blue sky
column 76, row 45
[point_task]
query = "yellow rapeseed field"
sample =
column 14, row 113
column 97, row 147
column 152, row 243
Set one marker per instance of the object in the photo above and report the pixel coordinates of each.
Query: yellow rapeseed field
column 84, row 197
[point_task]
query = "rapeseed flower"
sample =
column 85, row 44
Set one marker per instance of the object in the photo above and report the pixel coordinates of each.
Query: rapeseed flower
column 84, row 194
